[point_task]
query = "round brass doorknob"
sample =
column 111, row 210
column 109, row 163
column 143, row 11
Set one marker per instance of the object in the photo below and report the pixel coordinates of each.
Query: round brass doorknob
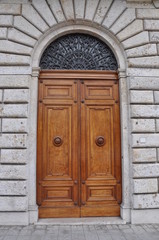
column 57, row 141
column 100, row 141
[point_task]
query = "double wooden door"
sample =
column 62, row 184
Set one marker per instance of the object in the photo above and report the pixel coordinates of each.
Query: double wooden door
column 78, row 166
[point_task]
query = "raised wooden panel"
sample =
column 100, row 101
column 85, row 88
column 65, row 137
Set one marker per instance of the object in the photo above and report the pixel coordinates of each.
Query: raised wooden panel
column 79, row 165
column 93, row 91
column 100, row 159
column 58, row 124
column 59, row 90
column 100, row 193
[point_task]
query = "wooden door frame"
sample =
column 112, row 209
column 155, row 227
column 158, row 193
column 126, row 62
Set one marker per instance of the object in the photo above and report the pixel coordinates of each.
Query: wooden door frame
column 76, row 75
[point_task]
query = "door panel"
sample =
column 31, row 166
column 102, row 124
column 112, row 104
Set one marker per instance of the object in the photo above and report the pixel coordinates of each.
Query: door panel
column 58, row 171
column 99, row 178
column 79, row 167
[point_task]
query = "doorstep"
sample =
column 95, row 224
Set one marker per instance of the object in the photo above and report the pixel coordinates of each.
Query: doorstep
column 81, row 221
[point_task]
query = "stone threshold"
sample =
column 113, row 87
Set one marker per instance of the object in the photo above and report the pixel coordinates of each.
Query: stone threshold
column 81, row 221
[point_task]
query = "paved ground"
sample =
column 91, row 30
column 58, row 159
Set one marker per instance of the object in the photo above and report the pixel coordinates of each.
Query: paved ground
column 101, row 232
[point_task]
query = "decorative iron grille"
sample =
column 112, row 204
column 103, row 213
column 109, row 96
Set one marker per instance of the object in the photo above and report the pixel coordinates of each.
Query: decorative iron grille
column 78, row 52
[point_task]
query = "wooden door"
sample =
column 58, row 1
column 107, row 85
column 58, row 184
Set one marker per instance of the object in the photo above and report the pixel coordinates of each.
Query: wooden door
column 79, row 166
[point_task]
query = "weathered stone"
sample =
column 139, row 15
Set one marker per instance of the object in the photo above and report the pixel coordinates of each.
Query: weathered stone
column 10, row 9
column 137, row 40
column 10, row 59
column 126, row 18
column 32, row 15
column 16, row 95
column 13, row 172
column 1, row 95
column 15, row 188
column 156, row 94
column 13, row 156
column 146, row 185
column 145, row 170
column 156, row 3
column 14, row 81
column 144, row 155
column 14, row 110
column 146, row 50
column 79, row 8
column 145, row 140
column 146, row 201
column 57, row 10
column 145, row 111
column 151, row 25
column 6, row 20
column 40, row 5
column 14, row 125
column 114, row 12
column 144, row 83
column 91, row 7
column 13, row 204
column 13, row 140
column 154, row 37
column 68, row 8
column 141, row 96
column 131, row 30
column 143, row 125
column 11, row 47
column 147, row 13
column 15, row 70
column 23, row 25
column 19, row 37
column 102, row 9
column 143, row 62
column 142, row 72
column 3, row 33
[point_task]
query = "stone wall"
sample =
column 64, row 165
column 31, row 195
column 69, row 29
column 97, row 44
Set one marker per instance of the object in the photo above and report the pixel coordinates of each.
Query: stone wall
column 134, row 26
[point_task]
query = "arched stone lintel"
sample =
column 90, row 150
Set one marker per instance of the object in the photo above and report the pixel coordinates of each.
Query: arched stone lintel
column 100, row 33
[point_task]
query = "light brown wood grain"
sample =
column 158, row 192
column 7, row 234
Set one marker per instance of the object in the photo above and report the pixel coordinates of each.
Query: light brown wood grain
column 82, row 175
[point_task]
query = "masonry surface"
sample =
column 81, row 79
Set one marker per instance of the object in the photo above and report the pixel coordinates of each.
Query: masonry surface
column 135, row 28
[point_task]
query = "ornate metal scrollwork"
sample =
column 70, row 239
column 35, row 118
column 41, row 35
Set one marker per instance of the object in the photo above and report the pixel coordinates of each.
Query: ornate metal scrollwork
column 78, row 52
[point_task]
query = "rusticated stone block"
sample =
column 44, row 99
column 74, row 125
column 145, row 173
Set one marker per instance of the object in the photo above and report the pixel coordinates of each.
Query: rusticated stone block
column 137, row 40
column 147, row 13
column 145, row 111
column 14, row 9
column 146, row 50
column 146, row 185
column 23, row 25
column 141, row 96
column 154, row 37
column 6, row 20
column 13, row 204
column 11, row 47
column 146, row 170
column 13, row 140
column 14, row 110
column 14, row 125
column 143, row 125
column 144, row 155
column 13, row 172
column 15, row 188
column 13, row 156
column 14, row 81
column 16, row 95
column 144, row 83
column 146, row 201
column 145, row 140
column 3, row 33
column 151, row 25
